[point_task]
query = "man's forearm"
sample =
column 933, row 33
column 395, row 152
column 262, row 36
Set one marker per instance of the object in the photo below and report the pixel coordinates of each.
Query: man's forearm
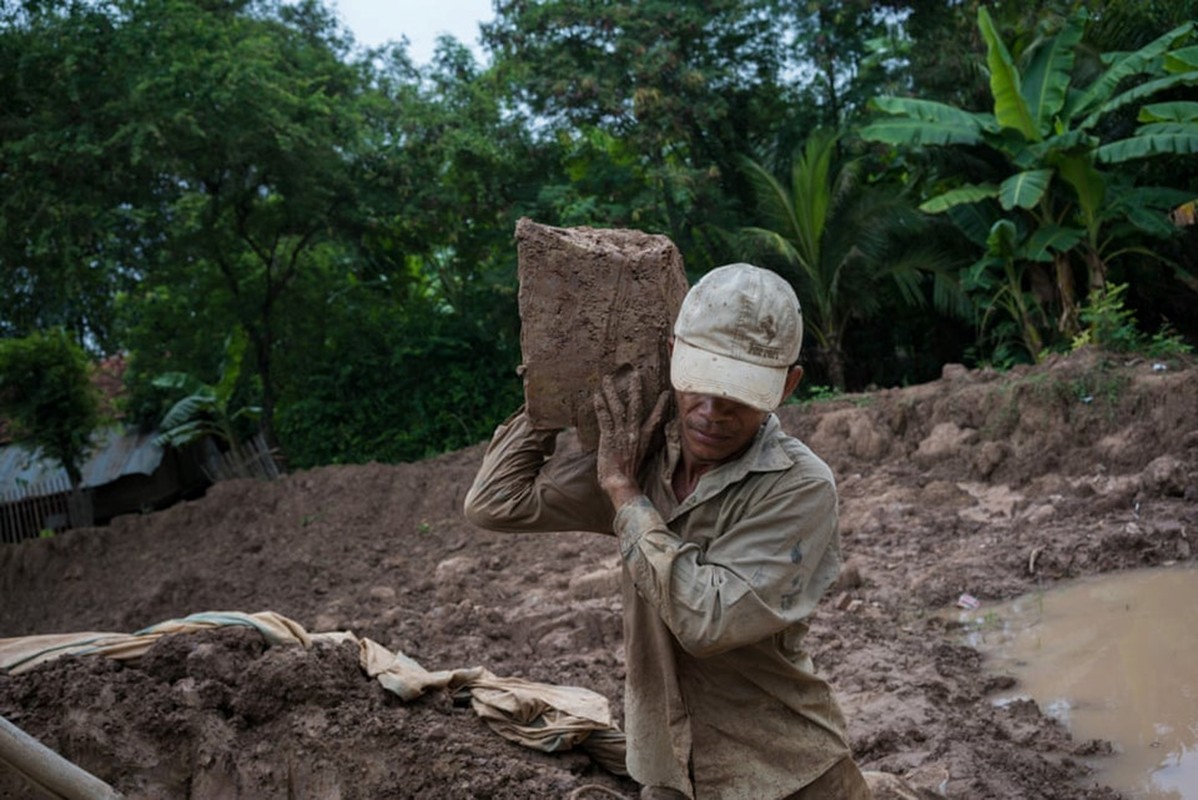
column 523, row 485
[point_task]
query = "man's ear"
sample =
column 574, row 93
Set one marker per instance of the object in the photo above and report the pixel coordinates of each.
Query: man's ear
column 793, row 378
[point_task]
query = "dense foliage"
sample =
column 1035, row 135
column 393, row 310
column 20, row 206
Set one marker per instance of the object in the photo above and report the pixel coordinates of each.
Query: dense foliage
column 47, row 397
column 178, row 174
column 1048, row 197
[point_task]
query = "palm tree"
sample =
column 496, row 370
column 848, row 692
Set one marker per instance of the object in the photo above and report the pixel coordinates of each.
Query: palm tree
column 836, row 238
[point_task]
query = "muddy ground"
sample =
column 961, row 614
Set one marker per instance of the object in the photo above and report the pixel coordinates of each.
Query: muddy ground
column 982, row 483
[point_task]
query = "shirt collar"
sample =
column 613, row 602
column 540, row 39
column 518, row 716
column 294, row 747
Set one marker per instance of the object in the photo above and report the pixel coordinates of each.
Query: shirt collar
column 764, row 454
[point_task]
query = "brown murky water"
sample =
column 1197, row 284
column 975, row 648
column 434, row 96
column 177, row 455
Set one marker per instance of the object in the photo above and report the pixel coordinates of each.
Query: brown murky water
column 1115, row 658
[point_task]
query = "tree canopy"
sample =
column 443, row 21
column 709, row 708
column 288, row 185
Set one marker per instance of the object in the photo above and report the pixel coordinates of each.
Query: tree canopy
column 47, row 397
column 176, row 171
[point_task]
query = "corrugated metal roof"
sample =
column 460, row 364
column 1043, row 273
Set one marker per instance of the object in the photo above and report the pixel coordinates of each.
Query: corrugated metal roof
column 117, row 452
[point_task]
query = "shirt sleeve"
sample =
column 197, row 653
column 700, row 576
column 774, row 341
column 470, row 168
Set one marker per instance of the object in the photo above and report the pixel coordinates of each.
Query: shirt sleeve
column 524, row 485
column 760, row 575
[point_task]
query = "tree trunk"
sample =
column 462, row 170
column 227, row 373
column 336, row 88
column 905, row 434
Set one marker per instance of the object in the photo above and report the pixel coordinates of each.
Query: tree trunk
column 79, row 507
column 262, row 347
column 1067, row 323
column 834, row 358
column 1097, row 270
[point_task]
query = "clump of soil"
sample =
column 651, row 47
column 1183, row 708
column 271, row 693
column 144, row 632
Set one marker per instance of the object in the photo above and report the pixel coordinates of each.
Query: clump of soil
column 592, row 300
column 980, row 482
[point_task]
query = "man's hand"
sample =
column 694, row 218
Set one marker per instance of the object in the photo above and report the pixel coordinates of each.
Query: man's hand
column 624, row 434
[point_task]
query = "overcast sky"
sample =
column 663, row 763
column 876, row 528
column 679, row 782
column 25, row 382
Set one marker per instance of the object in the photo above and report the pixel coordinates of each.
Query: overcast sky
column 422, row 21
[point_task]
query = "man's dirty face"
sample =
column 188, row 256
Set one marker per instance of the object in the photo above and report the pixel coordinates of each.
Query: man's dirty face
column 716, row 429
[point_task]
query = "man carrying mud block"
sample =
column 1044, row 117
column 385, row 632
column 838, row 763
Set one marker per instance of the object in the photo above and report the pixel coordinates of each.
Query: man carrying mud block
column 727, row 532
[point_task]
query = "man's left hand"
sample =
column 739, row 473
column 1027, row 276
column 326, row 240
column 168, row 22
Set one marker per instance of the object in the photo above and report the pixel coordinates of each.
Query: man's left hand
column 624, row 434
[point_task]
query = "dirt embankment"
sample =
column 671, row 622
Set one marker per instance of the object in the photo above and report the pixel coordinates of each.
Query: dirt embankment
column 992, row 484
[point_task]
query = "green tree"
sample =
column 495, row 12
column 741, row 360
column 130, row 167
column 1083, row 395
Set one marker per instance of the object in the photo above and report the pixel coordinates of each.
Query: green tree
column 842, row 54
column 69, row 193
column 836, row 238
column 47, row 397
column 415, row 338
column 207, row 149
column 1058, row 154
column 396, row 380
column 240, row 167
column 249, row 121
column 682, row 87
column 1127, row 25
column 463, row 169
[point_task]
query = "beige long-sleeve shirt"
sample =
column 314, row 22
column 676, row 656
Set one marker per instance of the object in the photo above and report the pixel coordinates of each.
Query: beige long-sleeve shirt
column 721, row 700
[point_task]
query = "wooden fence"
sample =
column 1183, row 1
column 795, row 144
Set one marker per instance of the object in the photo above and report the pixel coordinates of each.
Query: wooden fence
column 250, row 459
column 27, row 512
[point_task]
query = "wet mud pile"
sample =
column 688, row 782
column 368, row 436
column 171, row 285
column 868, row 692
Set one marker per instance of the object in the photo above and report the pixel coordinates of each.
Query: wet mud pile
column 981, row 483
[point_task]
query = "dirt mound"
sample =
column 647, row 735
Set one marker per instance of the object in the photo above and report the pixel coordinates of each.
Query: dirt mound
column 987, row 483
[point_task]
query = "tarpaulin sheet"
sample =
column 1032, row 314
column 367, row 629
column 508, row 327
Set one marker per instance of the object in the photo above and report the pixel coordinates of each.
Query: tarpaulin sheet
column 537, row 715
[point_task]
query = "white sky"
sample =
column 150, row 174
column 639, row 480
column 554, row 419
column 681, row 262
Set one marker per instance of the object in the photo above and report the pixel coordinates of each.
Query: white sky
column 374, row 22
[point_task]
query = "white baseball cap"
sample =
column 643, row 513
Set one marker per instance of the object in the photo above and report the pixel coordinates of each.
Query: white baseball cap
column 737, row 335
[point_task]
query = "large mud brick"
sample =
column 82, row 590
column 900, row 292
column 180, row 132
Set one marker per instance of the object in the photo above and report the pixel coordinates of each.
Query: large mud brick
column 592, row 300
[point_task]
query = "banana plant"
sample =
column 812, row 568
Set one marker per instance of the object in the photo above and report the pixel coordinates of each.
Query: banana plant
column 206, row 409
column 1060, row 182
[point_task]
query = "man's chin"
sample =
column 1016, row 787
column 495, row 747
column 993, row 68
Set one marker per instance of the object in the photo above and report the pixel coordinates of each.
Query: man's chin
column 707, row 447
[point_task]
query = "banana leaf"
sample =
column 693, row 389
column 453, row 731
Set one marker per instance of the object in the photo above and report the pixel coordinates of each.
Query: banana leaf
column 1125, row 66
column 1049, row 239
column 1182, row 60
column 970, row 193
column 1144, row 90
column 1179, row 111
column 1153, row 144
column 1024, row 189
column 1046, row 79
column 1010, row 107
column 924, row 122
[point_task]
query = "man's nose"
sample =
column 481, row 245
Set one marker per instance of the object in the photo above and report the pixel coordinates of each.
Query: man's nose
column 714, row 406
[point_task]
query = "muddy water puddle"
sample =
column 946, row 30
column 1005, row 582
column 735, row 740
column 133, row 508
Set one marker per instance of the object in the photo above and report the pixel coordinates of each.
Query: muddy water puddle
column 1113, row 657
